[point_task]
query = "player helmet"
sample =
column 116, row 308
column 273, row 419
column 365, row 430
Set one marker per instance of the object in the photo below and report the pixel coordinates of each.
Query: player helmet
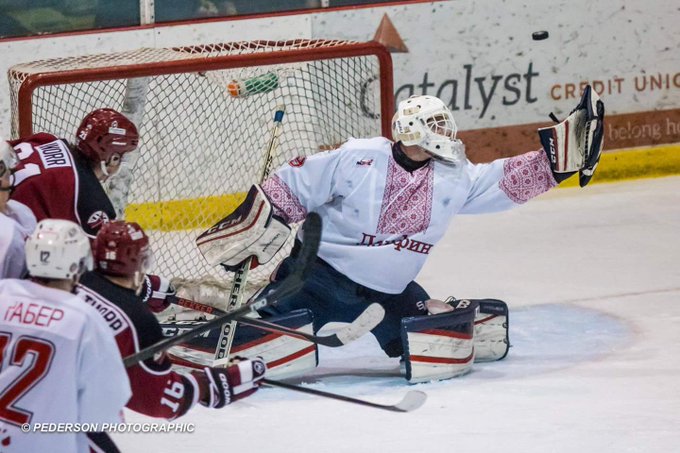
column 58, row 249
column 105, row 132
column 427, row 122
column 122, row 249
column 8, row 160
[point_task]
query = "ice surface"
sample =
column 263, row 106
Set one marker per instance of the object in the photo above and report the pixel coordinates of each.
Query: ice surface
column 593, row 282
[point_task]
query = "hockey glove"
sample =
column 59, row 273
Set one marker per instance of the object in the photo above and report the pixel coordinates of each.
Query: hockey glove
column 222, row 386
column 575, row 143
column 155, row 292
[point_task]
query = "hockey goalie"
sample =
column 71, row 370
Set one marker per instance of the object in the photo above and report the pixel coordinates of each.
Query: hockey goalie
column 385, row 205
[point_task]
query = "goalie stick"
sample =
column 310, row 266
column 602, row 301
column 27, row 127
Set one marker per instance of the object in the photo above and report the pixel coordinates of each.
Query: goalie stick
column 364, row 323
column 410, row 402
column 287, row 287
column 226, row 337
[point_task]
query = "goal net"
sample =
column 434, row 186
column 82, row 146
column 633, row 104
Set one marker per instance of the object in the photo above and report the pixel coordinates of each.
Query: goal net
column 205, row 116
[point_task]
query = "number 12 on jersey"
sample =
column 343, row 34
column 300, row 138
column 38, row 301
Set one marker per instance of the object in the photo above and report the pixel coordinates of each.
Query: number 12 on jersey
column 29, row 360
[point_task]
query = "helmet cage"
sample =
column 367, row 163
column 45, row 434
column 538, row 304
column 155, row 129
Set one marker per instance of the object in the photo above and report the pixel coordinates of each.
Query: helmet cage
column 8, row 160
column 427, row 122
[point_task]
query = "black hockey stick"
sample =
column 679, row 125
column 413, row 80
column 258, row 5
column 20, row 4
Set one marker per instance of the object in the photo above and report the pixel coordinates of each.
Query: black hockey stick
column 410, row 402
column 287, row 287
column 364, row 323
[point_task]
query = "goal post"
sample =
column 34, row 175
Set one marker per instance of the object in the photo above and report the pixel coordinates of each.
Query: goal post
column 204, row 115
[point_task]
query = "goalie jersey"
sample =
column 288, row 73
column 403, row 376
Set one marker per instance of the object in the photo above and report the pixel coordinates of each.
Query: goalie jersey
column 58, row 184
column 380, row 221
column 60, row 364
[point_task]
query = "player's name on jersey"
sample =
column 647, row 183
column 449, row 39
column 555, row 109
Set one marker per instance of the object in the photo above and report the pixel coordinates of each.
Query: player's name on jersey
column 403, row 243
column 116, row 320
column 54, row 154
column 33, row 314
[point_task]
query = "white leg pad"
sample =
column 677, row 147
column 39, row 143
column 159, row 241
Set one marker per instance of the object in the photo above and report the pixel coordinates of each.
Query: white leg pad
column 491, row 331
column 434, row 356
column 439, row 346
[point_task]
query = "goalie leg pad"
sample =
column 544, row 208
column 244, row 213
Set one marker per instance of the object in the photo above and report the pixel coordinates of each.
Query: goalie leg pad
column 285, row 356
column 251, row 230
column 491, row 330
column 439, row 346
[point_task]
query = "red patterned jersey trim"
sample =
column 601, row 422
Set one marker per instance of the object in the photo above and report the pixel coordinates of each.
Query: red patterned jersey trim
column 407, row 201
column 526, row 176
column 284, row 201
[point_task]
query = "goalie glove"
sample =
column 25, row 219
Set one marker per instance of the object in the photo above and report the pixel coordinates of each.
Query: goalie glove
column 221, row 386
column 251, row 230
column 155, row 292
column 574, row 145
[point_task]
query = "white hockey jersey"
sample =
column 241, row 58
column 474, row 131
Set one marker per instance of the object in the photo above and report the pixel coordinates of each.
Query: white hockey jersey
column 16, row 224
column 380, row 222
column 60, row 364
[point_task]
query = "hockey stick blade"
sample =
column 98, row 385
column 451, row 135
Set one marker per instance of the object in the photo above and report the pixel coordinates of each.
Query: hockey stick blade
column 364, row 323
column 287, row 287
column 410, row 402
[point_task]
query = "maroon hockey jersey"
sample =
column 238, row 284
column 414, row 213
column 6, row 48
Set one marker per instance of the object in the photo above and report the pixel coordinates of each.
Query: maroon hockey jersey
column 59, row 184
column 157, row 391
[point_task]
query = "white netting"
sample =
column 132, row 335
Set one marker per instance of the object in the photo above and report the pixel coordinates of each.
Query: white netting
column 202, row 140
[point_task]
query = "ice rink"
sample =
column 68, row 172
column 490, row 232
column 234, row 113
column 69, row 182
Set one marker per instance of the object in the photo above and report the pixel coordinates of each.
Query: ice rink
column 592, row 278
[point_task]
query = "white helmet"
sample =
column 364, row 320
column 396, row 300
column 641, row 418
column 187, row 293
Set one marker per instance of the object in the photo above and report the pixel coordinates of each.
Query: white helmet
column 58, row 249
column 427, row 122
column 8, row 158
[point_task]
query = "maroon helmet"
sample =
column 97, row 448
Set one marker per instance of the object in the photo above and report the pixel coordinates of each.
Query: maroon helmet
column 104, row 132
column 121, row 249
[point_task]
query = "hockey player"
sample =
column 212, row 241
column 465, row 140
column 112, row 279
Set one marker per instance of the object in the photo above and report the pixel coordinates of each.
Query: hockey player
column 16, row 220
column 385, row 205
column 122, row 256
column 58, row 180
column 60, row 363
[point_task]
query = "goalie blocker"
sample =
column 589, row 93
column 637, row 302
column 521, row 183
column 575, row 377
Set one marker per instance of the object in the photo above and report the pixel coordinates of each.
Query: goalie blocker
column 251, row 230
column 445, row 345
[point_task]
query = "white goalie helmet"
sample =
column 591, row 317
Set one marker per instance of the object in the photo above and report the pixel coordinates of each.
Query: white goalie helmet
column 8, row 158
column 58, row 249
column 427, row 122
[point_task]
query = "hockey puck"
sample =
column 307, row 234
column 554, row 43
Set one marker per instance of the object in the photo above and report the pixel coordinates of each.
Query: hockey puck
column 539, row 35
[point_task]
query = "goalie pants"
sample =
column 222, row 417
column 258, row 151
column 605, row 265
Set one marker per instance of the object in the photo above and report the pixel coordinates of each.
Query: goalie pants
column 332, row 297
